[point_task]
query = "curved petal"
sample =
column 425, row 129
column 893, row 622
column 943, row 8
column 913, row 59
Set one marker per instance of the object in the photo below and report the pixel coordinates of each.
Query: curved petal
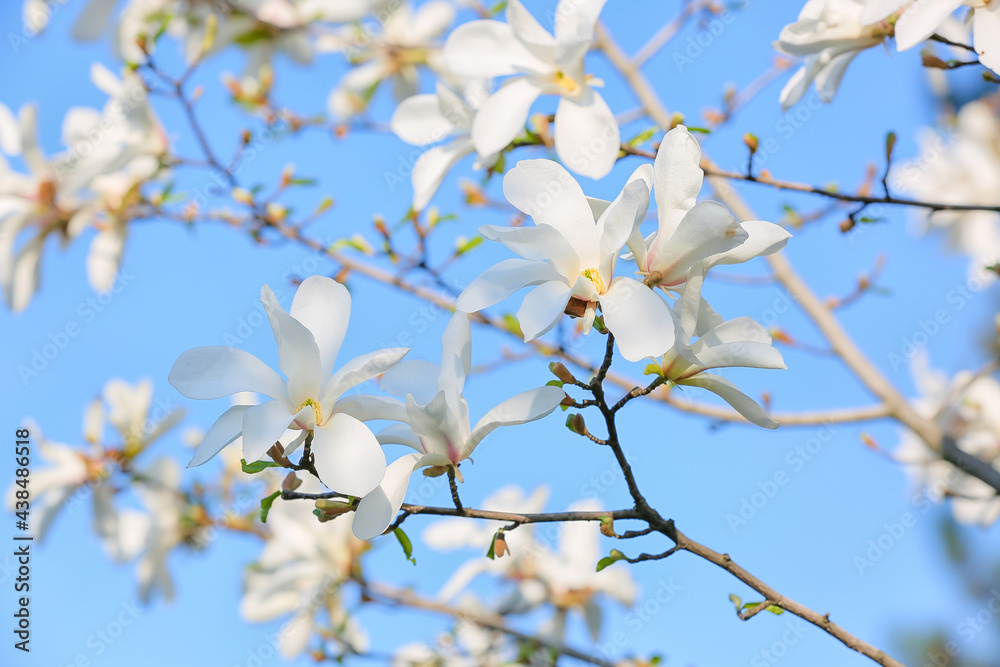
column 543, row 307
column 741, row 354
column 677, row 179
column 348, row 458
column 10, row 133
column 526, row 407
column 876, row 10
column 105, row 257
column 921, row 19
column 378, row 508
column 433, row 165
column 529, row 31
column 639, row 319
column 500, row 281
column 828, row 79
column 93, row 20
column 225, row 429
column 797, row 86
column 620, row 221
column 487, row 49
column 587, row 137
column 502, row 116
column 707, row 229
column 430, row 21
column 538, row 243
column 214, row 372
column 262, row 426
column 763, row 238
column 22, row 278
column 298, row 354
column 365, row 407
column 399, row 434
column 418, row 120
column 743, row 404
column 575, row 19
column 456, row 356
column 323, row 306
column 544, row 190
column 358, row 370
column 986, row 35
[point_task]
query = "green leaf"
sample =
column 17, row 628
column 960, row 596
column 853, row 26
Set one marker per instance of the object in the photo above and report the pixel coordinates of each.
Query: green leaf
column 703, row 130
column 265, row 505
column 610, row 560
column 257, row 466
column 404, row 542
column 642, row 137
column 652, row 369
column 771, row 608
column 491, row 554
column 468, row 245
column 554, row 383
column 890, row 143
column 736, row 600
column 303, row 181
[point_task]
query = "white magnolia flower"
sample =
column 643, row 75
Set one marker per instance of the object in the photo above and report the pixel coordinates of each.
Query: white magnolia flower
column 347, row 455
column 964, row 171
column 921, row 18
column 587, row 138
column 437, row 423
column 692, row 233
column 828, row 34
column 741, row 342
column 404, row 42
column 570, row 260
column 967, row 408
column 565, row 579
column 427, row 119
column 470, row 644
column 299, row 574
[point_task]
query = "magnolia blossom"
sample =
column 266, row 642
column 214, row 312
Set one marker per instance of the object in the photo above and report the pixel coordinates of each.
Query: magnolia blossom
column 569, row 259
column 967, row 408
column 828, row 34
column 299, row 574
column 587, row 138
column 565, row 579
column 692, row 233
column 348, row 458
column 965, row 170
column 436, row 418
column 404, row 42
column 741, row 342
column 470, row 644
column 921, row 18
column 426, row 119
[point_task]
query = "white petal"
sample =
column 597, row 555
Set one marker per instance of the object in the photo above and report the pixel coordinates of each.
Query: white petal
column 298, row 354
column 742, row 354
column 433, row 165
column 639, row 319
column 358, row 370
column 487, row 49
column 214, row 372
column 365, row 407
column 677, row 178
column 529, row 31
column 323, row 306
column 377, row 509
column 707, row 229
column 24, row 275
column 764, row 238
column 262, row 426
column 543, row 307
column 876, row 10
column 225, row 429
column 526, row 407
column 539, row 243
column 456, row 355
column 575, row 19
column 620, row 220
column 986, row 35
column 736, row 398
column 429, row 22
column 10, row 133
column 587, row 137
column 418, row 120
column 502, row 116
column 349, row 459
column 399, row 434
column 104, row 258
column 828, row 79
column 921, row 19
column 797, row 86
column 544, row 190
column 500, row 281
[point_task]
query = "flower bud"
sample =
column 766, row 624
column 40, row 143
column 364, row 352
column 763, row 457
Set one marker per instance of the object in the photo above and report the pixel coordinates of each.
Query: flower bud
column 291, row 482
column 561, row 372
column 751, row 142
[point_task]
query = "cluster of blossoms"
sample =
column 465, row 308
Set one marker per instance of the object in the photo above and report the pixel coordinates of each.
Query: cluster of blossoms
column 961, row 167
column 94, row 183
column 96, row 476
column 830, row 33
column 967, row 408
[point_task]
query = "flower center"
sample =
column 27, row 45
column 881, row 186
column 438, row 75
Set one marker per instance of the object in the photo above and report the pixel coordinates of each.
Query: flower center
column 317, row 410
column 594, row 276
column 569, row 85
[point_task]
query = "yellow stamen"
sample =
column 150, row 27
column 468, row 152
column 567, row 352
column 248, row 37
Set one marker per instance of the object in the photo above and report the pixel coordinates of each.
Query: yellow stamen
column 594, row 276
column 317, row 410
column 568, row 84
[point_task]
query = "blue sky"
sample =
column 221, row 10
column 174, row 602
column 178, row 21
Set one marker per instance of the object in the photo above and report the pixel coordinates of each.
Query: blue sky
column 187, row 288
